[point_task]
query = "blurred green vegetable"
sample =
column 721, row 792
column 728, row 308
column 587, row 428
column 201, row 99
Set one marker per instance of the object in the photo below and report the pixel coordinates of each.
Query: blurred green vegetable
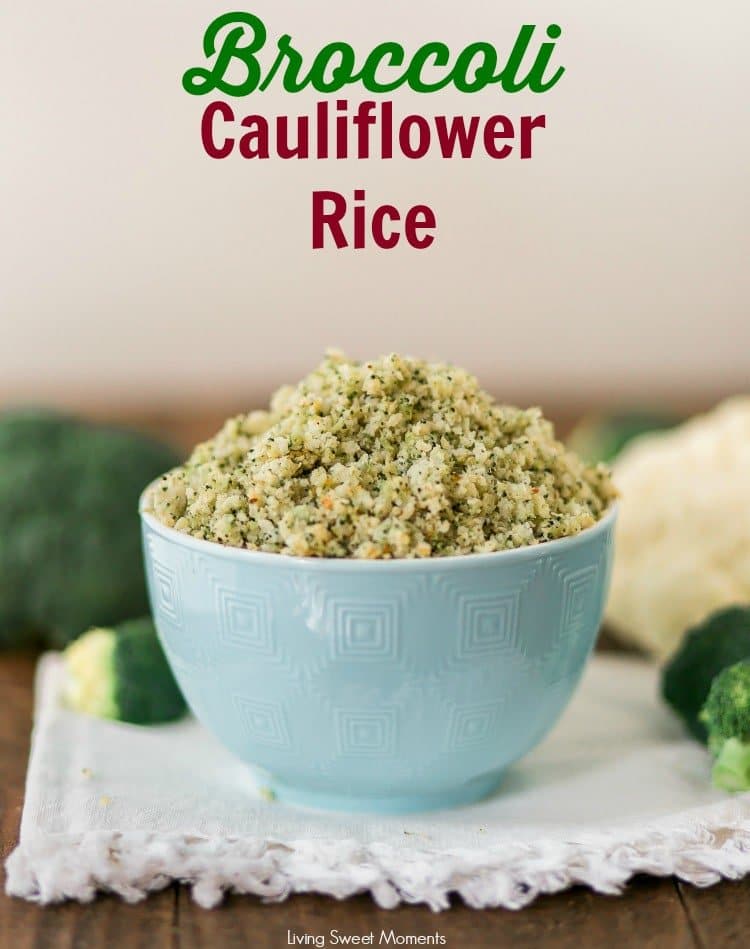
column 726, row 716
column 122, row 673
column 602, row 438
column 706, row 650
column 70, row 549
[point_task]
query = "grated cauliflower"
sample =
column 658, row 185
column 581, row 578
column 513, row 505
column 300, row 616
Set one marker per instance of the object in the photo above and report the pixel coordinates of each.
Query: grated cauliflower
column 391, row 458
column 683, row 533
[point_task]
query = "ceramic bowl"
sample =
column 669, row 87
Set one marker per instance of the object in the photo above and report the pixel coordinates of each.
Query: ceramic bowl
column 383, row 686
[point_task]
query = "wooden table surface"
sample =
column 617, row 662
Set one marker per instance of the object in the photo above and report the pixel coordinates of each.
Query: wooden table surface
column 664, row 914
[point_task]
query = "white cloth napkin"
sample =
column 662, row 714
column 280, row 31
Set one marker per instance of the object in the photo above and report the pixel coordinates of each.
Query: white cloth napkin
column 615, row 790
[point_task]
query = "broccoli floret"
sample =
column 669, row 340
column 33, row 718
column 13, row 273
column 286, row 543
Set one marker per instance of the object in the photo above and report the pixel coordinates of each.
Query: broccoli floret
column 726, row 716
column 122, row 673
column 601, row 439
column 720, row 641
column 70, row 547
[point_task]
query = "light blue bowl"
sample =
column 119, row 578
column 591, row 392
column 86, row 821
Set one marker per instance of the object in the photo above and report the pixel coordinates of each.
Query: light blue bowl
column 385, row 686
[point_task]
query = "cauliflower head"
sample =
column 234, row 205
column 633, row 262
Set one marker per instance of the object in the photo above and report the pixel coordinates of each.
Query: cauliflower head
column 683, row 536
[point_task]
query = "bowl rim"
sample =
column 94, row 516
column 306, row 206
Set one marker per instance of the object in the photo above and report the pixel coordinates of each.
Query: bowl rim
column 289, row 561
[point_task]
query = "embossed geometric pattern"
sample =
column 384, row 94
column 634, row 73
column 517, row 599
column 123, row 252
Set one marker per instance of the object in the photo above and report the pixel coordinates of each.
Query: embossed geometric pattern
column 366, row 734
column 363, row 631
column 472, row 724
column 578, row 586
column 166, row 594
column 489, row 624
column 383, row 680
column 263, row 721
column 245, row 621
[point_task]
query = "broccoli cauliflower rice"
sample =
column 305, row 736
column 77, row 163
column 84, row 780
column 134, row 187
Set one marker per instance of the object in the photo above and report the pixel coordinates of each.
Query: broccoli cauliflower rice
column 385, row 459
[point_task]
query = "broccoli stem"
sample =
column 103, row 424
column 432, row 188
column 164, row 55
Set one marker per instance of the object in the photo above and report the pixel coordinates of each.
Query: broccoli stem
column 731, row 770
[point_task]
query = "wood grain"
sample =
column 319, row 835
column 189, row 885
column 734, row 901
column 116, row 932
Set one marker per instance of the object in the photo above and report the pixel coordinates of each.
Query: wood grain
column 108, row 922
column 651, row 913
column 719, row 915
column 648, row 915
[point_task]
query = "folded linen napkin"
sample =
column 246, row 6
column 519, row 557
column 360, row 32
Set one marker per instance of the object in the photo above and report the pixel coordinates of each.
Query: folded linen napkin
column 615, row 790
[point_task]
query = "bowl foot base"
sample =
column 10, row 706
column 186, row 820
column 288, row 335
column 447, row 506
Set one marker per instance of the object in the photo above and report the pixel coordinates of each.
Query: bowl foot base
column 387, row 804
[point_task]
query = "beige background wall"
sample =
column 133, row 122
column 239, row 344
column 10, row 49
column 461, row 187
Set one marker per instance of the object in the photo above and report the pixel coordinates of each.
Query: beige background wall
column 614, row 264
